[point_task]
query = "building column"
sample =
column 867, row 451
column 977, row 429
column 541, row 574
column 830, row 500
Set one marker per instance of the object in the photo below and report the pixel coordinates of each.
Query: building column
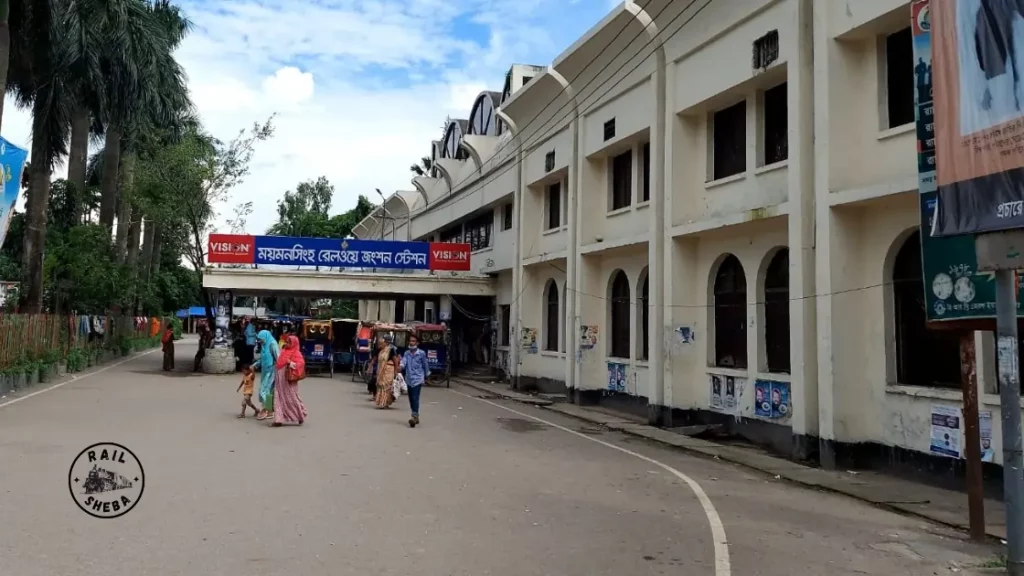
column 802, row 305
column 571, row 316
column 515, row 344
column 823, row 233
column 658, row 230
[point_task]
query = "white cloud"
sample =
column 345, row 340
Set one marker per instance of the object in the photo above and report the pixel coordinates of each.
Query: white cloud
column 360, row 87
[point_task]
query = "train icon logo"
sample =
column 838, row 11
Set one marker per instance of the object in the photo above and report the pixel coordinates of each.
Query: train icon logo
column 106, row 480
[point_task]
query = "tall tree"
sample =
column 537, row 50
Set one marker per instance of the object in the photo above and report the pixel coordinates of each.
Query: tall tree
column 304, row 211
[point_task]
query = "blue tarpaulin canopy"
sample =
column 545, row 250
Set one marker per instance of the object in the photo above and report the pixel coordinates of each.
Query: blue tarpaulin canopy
column 193, row 311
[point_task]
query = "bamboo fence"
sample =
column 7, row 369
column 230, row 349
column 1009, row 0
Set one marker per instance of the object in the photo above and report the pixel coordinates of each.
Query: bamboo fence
column 28, row 337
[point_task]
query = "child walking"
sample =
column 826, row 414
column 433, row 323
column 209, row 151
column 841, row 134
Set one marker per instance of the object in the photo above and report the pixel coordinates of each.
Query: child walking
column 248, row 379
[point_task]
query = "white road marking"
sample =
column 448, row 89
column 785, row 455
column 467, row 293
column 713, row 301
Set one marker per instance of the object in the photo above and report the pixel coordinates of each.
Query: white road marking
column 722, row 566
column 75, row 378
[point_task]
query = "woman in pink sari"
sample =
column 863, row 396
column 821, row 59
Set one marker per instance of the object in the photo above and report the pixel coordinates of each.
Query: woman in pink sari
column 288, row 407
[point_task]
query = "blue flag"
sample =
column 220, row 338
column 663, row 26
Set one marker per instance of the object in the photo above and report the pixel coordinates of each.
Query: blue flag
column 12, row 161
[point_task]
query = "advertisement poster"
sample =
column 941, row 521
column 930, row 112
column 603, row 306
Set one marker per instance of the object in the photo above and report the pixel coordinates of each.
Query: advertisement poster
column 530, row 340
column 771, row 399
column 978, row 114
column 616, row 377
column 12, row 161
column 730, row 393
column 716, row 392
column 985, row 430
column 588, row 337
column 762, row 398
column 945, row 433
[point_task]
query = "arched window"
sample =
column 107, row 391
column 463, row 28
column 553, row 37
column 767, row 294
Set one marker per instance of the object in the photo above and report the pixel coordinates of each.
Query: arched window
column 619, row 328
column 452, row 138
column 923, row 357
column 551, row 317
column 730, row 314
column 645, row 311
column 482, row 119
column 776, row 313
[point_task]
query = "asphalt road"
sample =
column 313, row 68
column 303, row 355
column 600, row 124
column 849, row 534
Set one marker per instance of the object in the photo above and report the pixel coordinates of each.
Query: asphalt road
column 480, row 488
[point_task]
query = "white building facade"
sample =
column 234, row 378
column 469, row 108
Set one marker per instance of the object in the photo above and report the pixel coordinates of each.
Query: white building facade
column 700, row 202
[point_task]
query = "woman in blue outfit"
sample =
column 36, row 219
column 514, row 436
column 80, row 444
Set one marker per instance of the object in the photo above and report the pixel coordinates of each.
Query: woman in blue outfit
column 267, row 367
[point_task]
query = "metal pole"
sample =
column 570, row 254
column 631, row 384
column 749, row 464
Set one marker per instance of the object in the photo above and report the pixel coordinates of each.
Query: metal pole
column 1009, row 397
column 975, row 487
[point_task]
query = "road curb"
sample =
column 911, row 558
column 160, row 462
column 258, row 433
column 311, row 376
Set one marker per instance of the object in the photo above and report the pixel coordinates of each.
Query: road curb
column 716, row 452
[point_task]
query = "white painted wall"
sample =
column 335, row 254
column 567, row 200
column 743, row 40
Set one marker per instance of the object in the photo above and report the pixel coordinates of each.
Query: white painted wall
column 841, row 201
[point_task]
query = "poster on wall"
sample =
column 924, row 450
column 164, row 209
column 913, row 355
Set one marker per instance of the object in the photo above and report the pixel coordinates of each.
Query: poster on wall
column 530, row 340
column 726, row 392
column 985, row 431
column 588, row 337
column 225, row 301
column 616, row 377
column 771, row 399
column 716, row 392
column 945, row 432
column 12, row 161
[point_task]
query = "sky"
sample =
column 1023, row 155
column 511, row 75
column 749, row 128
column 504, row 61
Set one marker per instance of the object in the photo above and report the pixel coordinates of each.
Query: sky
column 360, row 87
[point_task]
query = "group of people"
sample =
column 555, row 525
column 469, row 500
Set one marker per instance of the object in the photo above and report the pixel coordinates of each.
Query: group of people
column 386, row 365
column 281, row 368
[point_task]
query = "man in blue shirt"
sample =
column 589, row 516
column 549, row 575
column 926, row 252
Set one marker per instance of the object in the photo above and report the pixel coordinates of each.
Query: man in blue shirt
column 416, row 368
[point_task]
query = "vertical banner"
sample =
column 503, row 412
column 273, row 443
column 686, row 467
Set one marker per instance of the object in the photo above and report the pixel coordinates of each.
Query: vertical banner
column 977, row 55
column 12, row 162
column 953, row 288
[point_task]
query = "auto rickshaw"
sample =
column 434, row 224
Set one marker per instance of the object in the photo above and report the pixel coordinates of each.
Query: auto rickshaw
column 317, row 338
column 344, row 344
column 434, row 341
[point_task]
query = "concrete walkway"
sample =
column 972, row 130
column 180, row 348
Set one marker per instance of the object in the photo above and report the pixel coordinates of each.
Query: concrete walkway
column 946, row 507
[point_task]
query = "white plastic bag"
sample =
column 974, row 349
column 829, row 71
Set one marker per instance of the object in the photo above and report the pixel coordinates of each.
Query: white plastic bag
column 399, row 387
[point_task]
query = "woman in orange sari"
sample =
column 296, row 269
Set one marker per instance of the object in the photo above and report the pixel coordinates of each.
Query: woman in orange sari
column 288, row 407
column 387, row 362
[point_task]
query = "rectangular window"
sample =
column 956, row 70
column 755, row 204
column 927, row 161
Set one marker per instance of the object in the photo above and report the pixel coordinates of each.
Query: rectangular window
column 549, row 161
column 609, row 129
column 647, row 172
column 478, row 231
column 554, row 199
column 506, row 324
column 506, row 217
column 766, row 50
column 622, row 180
column 899, row 78
column 729, row 132
column 776, row 125
column 428, row 312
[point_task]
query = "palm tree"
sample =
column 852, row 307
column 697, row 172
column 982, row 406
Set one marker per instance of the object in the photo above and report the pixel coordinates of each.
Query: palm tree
column 5, row 50
column 138, row 41
column 43, row 53
column 425, row 167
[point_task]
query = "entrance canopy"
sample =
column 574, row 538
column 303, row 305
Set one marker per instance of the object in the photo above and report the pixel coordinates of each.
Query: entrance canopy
column 259, row 282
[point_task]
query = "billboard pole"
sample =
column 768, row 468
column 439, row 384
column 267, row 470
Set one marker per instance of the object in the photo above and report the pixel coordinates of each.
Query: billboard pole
column 999, row 252
column 972, row 436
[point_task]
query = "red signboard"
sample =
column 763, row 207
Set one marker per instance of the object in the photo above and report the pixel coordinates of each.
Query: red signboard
column 444, row 256
column 231, row 249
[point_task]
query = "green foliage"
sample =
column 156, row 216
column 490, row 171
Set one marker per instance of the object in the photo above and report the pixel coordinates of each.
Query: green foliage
column 176, row 327
column 80, row 270
column 304, row 212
